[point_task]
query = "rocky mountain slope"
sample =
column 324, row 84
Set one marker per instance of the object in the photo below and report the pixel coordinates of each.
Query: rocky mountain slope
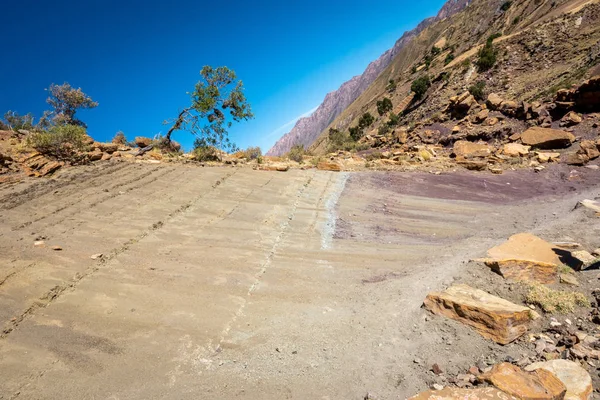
column 308, row 129
column 539, row 46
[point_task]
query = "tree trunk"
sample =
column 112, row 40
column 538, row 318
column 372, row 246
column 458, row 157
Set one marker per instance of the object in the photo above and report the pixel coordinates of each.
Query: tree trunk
column 177, row 125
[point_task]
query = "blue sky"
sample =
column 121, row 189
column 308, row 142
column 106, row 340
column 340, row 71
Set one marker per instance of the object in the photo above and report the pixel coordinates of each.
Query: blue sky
column 139, row 58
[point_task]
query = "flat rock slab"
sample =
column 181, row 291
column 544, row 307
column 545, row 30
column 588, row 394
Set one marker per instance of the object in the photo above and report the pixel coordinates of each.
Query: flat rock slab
column 329, row 166
column 488, row 393
column 524, row 257
column 576, row 379
column 545, row 138
column 492, row 317
column 536, row 385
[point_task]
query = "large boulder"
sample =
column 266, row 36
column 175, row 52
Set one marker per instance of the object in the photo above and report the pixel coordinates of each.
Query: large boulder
column 106, row 147
column 465, row 149
column 453, row 393
column 546, row 138
column 539, row 384
column 590, row 149
column 329, row 166
column 524, row 258
column 494, row 101
column 570, row 119
column 142, row 142
column 492, row 317
column 576, row 379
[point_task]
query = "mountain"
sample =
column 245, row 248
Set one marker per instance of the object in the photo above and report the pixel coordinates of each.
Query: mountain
column 308, row 129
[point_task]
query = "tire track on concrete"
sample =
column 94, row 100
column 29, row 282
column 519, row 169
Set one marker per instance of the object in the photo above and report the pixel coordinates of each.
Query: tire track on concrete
column 41, row 188
column 136, row 178
column 267, row 263
column 50, row 296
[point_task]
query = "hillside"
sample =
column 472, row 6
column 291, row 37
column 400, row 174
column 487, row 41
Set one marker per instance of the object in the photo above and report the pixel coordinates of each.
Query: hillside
column 541, row 47
column 308, row 129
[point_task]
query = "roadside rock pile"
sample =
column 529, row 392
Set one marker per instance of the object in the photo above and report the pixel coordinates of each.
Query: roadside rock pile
column 563, row 349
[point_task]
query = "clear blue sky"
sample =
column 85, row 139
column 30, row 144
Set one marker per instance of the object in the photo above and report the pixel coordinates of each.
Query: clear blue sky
column 139, row 58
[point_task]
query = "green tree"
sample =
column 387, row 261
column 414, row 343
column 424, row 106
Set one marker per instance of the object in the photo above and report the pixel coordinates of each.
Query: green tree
column 420, row 86
column 365, row 120
column 394, row 119
column 65, row 101
column 435, row 51
column 216, row 102
column 355, row 132
column 383, row 106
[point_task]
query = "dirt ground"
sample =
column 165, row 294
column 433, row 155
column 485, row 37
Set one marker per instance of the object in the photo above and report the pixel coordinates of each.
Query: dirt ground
column 233, row 283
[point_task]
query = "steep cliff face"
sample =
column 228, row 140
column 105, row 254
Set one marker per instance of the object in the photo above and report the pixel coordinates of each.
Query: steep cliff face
column 307, row 129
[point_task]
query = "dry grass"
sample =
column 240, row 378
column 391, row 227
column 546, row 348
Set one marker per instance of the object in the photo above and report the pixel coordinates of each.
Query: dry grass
column 558, row 301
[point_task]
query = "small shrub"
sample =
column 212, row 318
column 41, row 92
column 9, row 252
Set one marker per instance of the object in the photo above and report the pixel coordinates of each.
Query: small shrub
column 391, row 87
column 506, row 5
column 120, row 138
column 413, row 70
column 296, row 153
column 420, row 86
column 252, row 153
column 466, row 64
column 383, row 129
column 165, row 145
column 516, row 20
column 365, row 120
column 449, row 58
column 394, row 120
column 61, row 141
column 487, row 56
column 435, row 51
column 339, row 141
column 383, row 106
column 558, row 301
column 478, row 90
column 205, row 153
column 376, row 155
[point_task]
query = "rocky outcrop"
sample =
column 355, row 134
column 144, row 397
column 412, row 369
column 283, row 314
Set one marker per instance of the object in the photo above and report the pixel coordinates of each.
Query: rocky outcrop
column 539, row 384
column 492, row 317
column 308, row 129
column 488, row 393
column 586, row 97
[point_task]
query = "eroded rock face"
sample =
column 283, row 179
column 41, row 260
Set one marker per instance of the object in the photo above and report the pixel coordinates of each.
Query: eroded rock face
column 536, row 385
column 546, row 138
column 492, row 317
column 576, row 379
column 524, row 257
column 488, row 393
column 515, row 150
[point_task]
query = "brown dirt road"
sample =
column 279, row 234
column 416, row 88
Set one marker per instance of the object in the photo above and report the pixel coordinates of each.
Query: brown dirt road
column 231, row 283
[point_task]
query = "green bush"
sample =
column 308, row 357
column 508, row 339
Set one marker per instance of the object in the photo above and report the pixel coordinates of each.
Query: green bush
column 487, row 55
column 383, row 129
column 340, row 141
column 516, row 20
column 478, row 90
column 365, row 120
column 394, row 120
column 420, row 86
column 355, row 132
column 205, row 153
column 449, row 58
column 383, row 106
column 296, row 153
column 391, row 86
column 61, row 141
column 506, row 5
column 435, row 51
column 252, row 153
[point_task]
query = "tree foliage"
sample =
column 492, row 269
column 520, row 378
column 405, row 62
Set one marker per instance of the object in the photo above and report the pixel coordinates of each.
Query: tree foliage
column 60, row 141
column 16, row 121
column 384, row 105
column 487, row 55
column 216, row 103
column 65, row 101
column 365, row 120
column 420, row 86
column 478, row 90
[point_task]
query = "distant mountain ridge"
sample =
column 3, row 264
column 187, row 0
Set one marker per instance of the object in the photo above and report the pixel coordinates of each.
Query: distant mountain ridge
column 308, row 129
